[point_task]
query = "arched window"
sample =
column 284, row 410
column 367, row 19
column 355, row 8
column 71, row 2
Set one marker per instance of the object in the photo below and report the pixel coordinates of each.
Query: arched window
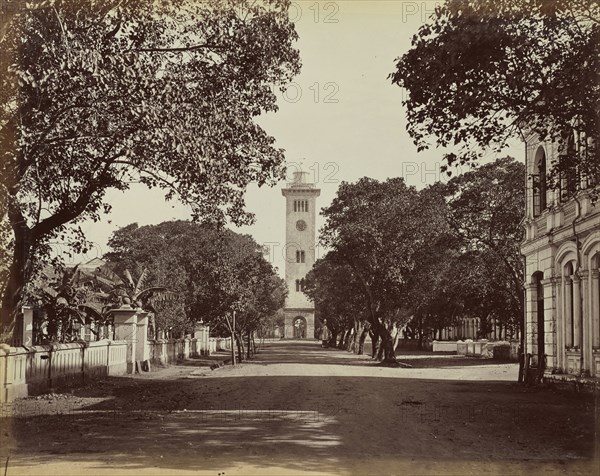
column 300, row 205
column 539, row 182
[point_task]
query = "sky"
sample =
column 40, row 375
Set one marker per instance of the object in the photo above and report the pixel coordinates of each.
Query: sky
column 341, row 119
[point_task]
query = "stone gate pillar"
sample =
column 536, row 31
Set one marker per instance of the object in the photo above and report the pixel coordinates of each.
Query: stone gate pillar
column 200, row 336
column 27, row 337
column 125, row 320
column 142, row 349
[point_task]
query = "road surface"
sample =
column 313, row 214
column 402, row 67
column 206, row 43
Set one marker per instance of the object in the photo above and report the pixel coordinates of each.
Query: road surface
column 300, row 409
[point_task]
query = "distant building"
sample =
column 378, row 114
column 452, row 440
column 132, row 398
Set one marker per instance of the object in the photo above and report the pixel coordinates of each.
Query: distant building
column 91, row 265
column 299, row 252
column 562, row 255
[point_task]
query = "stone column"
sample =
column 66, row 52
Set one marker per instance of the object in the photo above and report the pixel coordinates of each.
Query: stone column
column 588, row 333
column 549, row 322
column 289, row 326
column 5, row 373
column 310, row 327
column 576, row 311
column 27, row 337
column 530, row 318
column 595, row 307
column 142, row 350
column 125, row 319
column 199, row 335
column 561, row 324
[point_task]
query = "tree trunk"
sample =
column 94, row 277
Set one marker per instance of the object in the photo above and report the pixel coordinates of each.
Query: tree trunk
column 240, row 347
column 333, row 339
column 374, row 343
column 350, row 339
column 380, row 351
column 19, row 274
column 359, row 329
column 361, row 341
column 395, row 336
column 387, row 343
column 345, row 339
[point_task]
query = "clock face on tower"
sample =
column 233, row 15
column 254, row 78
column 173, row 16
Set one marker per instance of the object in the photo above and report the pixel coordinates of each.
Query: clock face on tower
column 300, row 225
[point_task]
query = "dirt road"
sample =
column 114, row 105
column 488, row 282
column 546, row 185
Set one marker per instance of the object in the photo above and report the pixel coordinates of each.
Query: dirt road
column 300, row 409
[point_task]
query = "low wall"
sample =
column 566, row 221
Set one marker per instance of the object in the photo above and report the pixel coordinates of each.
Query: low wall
column 445, row 346
column 479, row 348
column 28, row 371
column 413, row 344
column 170, row 351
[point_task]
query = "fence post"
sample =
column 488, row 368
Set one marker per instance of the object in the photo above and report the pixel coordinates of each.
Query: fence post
column 4, row 376
column 125, row 319
column 27, row 337
column 142, row 351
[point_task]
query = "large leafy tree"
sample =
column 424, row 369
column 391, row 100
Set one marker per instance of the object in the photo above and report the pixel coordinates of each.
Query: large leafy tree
column 485, row 212
column 481, row 72
column 94, row 95
column 214, row 270
column 337, row 294
column 379, row 229
column 476, row 270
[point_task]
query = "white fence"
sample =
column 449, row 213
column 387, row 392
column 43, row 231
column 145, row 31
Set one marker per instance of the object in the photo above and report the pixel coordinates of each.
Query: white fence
column 26, row 371
column 33, row 370
column 168, row 351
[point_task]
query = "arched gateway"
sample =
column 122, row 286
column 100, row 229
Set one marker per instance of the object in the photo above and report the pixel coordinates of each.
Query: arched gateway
column 299, row 328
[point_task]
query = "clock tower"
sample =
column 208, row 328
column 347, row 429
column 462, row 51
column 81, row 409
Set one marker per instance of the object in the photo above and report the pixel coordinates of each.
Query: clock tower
column 299, row 253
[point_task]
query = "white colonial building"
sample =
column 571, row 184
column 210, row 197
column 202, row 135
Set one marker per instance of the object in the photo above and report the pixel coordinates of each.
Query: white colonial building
column 562, row 254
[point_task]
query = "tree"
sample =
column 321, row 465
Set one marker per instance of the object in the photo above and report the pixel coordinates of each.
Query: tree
column 338, row 297
column 214, row 270
column 433, row 298
column 481, row 72
column 96, row 94
column 486, row 208
column 268, row 296
column 475, row 270
column 379, row 229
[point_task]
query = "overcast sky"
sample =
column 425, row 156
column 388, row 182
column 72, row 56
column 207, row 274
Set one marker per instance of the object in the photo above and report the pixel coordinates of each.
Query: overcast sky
column 341, row 118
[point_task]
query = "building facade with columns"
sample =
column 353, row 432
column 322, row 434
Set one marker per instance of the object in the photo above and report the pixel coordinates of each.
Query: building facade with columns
column 300, row 255
column 561, row 248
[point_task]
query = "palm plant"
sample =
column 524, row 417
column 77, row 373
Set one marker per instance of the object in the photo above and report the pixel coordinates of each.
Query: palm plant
column 69, row 301
column 128, row 291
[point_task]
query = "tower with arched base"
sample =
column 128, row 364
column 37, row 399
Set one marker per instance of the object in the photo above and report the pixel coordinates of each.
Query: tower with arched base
column 299, row 252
